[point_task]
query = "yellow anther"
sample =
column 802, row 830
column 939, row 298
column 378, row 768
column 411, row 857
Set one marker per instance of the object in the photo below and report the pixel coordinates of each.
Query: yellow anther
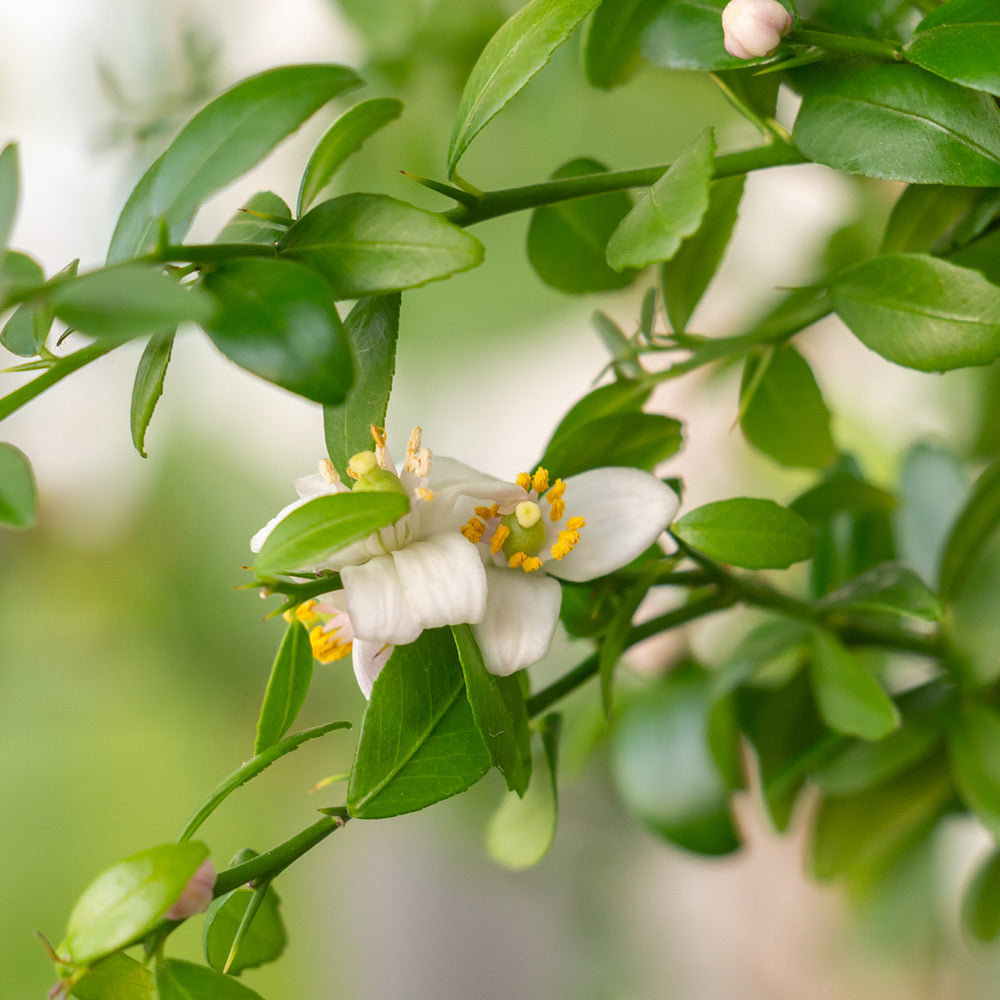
column 576, row 523
column 499, row 537
column 524, row 481
column 527, row 513
column 424, row 493
column 516, row 560
column 531, row 563
column 423, row 467
column 473, row 529
column 540, row 480
column 378, row 434
column 413, row 447
column 327, row 646
column 305, row 612
column 361, row 463
column 558, row 508
column 566, row 542
column 556, row 490
column 487, row 512
column 328, row 472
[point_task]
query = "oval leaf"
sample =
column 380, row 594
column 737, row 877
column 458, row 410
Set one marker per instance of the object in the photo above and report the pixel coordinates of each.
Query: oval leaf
column 262, row 942
column 18, row 273
column 18, row 493
column 28, row 328
column 148, row 385
column 9, row 189
column 975, row 523
column 263, row 218
column 960, row 41
column 973, row 742
column 981, row 900
column 287, row 687
column 177, row 980
column 612, row 55
column 116, row 977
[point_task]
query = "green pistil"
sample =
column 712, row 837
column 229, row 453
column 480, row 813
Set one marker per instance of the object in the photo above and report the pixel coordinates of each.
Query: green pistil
column 527, row 540
column 378, row 480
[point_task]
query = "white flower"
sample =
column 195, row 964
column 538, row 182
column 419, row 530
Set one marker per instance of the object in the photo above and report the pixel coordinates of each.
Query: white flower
column 577, row 530
column 754, row 28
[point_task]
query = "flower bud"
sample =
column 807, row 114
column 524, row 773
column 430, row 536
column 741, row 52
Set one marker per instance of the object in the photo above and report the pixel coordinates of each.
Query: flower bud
column 197, row 893
column 754, row 28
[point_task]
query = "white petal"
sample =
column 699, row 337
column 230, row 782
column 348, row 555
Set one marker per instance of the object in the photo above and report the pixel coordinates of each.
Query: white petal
column 626, row 511
column 375, row 601
column 443, row 580
column 369, row 658
column 257, row 542
column 521, row 614
column 308, row 488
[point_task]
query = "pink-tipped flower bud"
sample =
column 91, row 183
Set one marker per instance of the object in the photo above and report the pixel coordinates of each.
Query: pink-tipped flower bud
column 197, row 893
column 754, row 28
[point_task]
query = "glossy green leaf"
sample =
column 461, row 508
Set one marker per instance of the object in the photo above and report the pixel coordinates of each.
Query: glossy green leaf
column 277, row 319
column 263, row 941
column 616, row 398
column 287, row 687
column 126, row 900
column 522, row 46
column 372, row 328
column 10, row 182
column 522, row 829
column 18, row 273
column 981, row 900
column 126, row 301
column 782, row 411
column 365, row 244
column 669, row 212
column 323, row 525
column 973, row 742
column 498, row 709
column 255, row 220
column 976, row 522
column 177, row 980
column 960, row 41
column 148, row 385
column 685, row 277
column 18, row 493
column 927, row 217
column 849, row 698
column 612, row 54
column 920, row 312
column 747, row 532
column 419, row 741
column 566, row 241
column 346, row 136
column 223, row 141
column 898, row 122
column 889, row 588
column 29, row 325
column 840, row 493
column 116, row 977
column 982, row 255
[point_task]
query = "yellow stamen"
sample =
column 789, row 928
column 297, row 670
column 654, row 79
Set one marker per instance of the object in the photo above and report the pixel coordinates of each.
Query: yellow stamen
column 558, row 509
column 413, row 447
column 305, row 612
column 576, row 523
column 423, row 467
column 487, row 512
column 328, row 472
column 378, row 434
column 327, row 647
column 556, row 490
column 473, row 529
column 524, row 481
column 424, row 493
column 540, row 480
column 555, row 499
column 516, row 560
column 499, row 537
column 531, row 563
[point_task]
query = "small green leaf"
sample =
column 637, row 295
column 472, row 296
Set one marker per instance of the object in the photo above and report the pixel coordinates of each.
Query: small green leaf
column 747, row 532
column 148, row 385
column 612, row 52
column 18, row 493
column 840, row 493
column 973, row 742
column 621, row 396
column 263, row 941
column 344, row 137
column 981, row 900
column 28, row 328
column 566, row 241
column 277, row 319
column 9, row 190
column 419, row 742
column 849, row 698
column 177, row 980
column 372, row 328
column 926, row 218
column 887, row 589
column 920, row 312
column 126, row 900
column 976, row 522
column 287, row 687
column 116, row 977
column 959, row 41
column 313, row 531
column 522, row 46
column 670, row 211
column 365, row 244
column 18, row 273
column 614, row 637
column 253, row 222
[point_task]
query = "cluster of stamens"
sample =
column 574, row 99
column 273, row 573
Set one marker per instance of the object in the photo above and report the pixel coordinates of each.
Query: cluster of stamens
column 326, row 632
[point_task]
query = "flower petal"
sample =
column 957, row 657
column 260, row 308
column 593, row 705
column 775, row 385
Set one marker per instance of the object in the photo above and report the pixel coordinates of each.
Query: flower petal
column 521, row 614
column 376, row 603
column 443, row 580
column 308, row 488
column 369, row 658
column 626, row 511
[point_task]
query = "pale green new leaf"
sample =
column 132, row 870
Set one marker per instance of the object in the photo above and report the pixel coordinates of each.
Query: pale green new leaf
column 9, row 189
column 18, row 494
column 287, row 687
column 148, row 385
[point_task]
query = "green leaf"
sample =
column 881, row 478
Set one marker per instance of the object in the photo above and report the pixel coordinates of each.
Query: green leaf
column 976, row 522
column 126, row 301
column 981, row 900
column 287, row 687
column 959, row 41
column 889, row 588
column 372, row 328
column 770, row 654
column 920, row 312
column 277, row 319
column 754, row 534
column 18, row 493
column 18, row 273
column 365, row 244
column 982, row 255
column 612, row 53
column 621, row 396
column 669, row 212
column 614, row 637
column 263, row 941
column 849, row 698
column 148, row 385
column 566, row 241
column 522, row 829
column 898, row 122
column 126, row 900
column 927, row 217
column 419, row 741
column 28, row 328
column 522, row 46
column 498, row 709
column 782, row 411
column 177, row 980
column 972, row 744
column 313, row 531
column 346, row 136
column 840, row 493
column 9, row 190
column 254, row 221
column 684, row 278
column 116, row 977
column 223, row 141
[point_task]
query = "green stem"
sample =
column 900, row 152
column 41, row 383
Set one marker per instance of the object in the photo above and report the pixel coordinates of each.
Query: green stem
column 209, row 253
column 846, row 45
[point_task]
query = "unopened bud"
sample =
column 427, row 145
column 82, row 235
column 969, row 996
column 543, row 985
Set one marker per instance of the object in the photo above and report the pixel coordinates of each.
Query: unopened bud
column 754, row 28
column 197, row 893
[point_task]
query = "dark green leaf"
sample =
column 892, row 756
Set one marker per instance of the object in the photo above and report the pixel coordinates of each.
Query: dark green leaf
column 747, row 532
column 566, row 241
column 116, row 977
column 9, row 189
column 960, row 41
column 982, row 255
column 622, row 396
column 148, row 385
column 18, row 494
column 745, row 88
column 365, row 244
column 898, row 122
column 263, row 941
column 323, row 525
column 669, row 212
column 975, row 764
column 287, row 687
column 253, row 222
column 615, row 636
column 372, row 327
column 920, row 312
column 684, row 278
column 612, row 53
column 981, row 901
column 346, row 136
column 521, row 47
column 926, row 218
column 842, row 494
column 177, row 980
column 419, row 742
column 975, row 524
column 277, row 319
column 887, row 589
column 782, row 411
column 498, row 709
